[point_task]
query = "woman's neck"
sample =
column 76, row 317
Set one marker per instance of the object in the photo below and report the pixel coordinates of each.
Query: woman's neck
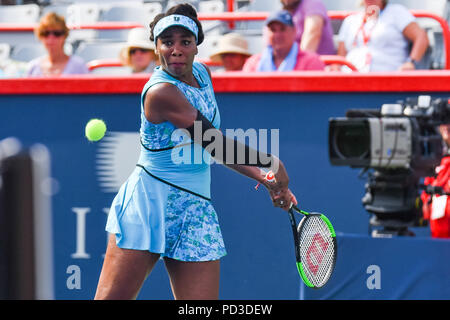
column 57, row 57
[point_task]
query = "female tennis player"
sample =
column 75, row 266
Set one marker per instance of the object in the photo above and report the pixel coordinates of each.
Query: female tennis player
column 164, row 208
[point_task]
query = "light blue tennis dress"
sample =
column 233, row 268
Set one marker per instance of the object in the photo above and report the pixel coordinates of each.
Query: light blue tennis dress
column 164, row 206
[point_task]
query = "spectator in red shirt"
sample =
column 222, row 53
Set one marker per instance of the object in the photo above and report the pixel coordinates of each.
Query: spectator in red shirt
column 282, row 52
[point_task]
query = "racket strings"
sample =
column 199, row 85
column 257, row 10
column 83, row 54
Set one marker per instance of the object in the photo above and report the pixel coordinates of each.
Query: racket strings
column 317, row 250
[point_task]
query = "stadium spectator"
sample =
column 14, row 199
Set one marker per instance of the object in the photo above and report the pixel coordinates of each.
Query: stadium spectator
column 52, row 31
column 232, row 52
column 139, row 52
column 282, row 53
column 379, row 38
column 436, row 208
column 313, row 26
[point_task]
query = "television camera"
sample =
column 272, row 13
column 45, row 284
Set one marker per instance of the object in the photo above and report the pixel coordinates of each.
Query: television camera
column 396, row 145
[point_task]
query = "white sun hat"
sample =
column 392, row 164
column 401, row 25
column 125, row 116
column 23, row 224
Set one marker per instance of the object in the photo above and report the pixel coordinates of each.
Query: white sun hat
column 137, row 38
column 230, row 43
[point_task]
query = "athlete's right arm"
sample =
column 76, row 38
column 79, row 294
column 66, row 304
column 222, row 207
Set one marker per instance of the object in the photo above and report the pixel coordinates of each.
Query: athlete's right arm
column 164, row 102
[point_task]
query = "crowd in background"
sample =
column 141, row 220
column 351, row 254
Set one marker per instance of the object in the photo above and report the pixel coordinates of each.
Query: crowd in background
column 379, row 37
column 382, row 36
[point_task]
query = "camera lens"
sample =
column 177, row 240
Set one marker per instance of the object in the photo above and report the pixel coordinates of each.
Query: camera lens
column 352, row 140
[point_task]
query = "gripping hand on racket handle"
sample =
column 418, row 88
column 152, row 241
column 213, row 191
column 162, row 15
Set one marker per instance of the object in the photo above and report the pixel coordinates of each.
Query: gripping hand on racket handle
column 277, row 184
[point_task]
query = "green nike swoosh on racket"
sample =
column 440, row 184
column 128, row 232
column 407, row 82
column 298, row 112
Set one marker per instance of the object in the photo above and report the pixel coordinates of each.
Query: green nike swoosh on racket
column 315, row 247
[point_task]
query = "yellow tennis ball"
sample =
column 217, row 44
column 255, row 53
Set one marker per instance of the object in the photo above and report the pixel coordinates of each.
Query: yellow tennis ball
column 95, row 129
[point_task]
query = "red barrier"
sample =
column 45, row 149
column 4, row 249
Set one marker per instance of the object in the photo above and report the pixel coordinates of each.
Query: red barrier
column 420, row 81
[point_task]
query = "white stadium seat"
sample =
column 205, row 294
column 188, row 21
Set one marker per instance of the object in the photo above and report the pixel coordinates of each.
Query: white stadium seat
column 208, row 46
column 99, row 50
column 27, row 13
column 82, row 13
column 132, row 12
column 211, row 6
column 27, row 51
column 171, row 3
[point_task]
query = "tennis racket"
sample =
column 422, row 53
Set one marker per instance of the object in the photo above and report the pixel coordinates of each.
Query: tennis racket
column 315, row 247
column 315, row 244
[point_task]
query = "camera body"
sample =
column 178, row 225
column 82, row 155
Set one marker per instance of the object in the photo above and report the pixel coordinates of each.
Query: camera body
column 396, row 145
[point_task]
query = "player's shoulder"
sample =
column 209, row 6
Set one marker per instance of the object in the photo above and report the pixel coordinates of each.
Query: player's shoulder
column 162, row 96
column 163, row 90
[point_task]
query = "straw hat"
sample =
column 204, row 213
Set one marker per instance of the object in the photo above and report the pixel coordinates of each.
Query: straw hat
column 137, row 38
column 230, row 43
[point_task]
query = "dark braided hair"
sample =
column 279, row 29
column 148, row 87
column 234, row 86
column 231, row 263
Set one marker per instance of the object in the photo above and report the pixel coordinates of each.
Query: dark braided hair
column 184, row 9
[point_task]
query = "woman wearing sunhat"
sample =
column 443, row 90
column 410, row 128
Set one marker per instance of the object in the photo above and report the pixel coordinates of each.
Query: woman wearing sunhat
column 139, row 52
column 232, row 52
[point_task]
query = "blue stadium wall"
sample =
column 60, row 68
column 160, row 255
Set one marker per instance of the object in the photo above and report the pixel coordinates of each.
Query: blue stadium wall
column 260, row 259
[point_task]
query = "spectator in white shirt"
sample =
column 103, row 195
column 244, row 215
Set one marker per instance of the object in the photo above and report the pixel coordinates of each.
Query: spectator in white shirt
column 379, row 38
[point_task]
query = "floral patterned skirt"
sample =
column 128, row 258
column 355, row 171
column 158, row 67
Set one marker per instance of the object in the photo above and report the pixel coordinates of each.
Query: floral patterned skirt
column 147, row 214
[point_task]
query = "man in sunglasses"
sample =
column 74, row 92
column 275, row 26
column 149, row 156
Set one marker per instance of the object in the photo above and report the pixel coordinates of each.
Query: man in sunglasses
column 52, row 32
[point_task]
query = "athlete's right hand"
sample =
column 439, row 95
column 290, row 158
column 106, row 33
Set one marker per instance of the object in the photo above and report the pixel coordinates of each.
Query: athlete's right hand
column 283, row 199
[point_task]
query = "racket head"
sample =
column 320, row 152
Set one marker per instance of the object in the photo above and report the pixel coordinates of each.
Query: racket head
column 317, row 250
